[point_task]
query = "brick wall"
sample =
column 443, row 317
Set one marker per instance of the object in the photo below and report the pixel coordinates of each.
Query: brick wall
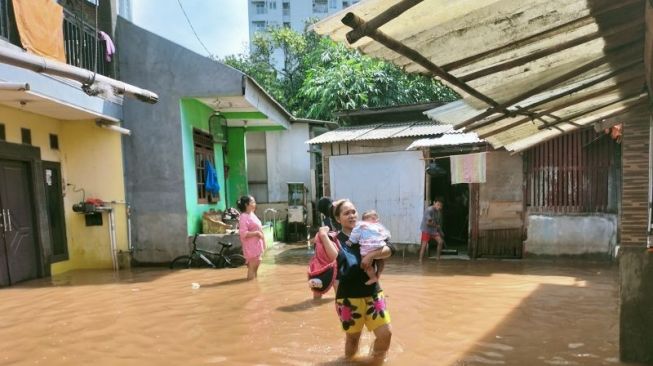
column 635, row 160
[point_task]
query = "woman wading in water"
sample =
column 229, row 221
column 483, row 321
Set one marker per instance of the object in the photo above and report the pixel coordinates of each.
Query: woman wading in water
column 358, row 305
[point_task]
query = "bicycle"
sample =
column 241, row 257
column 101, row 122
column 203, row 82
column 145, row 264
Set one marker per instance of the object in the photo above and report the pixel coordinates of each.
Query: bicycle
column 202, row 258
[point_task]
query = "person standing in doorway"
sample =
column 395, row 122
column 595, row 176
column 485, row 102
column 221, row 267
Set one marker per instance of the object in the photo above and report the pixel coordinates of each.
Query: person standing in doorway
column 431, row 228
column 251, row 234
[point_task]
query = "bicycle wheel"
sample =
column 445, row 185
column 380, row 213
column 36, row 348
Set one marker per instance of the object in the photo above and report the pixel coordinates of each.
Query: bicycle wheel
column 183, row 261
column 234, row 260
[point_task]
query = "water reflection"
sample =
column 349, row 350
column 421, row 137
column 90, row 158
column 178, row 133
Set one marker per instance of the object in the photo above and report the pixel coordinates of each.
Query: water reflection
column 446, row 313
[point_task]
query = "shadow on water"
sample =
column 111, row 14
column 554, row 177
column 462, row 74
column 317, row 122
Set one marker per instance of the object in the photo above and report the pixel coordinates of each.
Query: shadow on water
column 306, row 304
column 550, row 325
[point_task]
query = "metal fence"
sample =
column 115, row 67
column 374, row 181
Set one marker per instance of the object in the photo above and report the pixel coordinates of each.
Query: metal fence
column 571, row 173
column 83, row 46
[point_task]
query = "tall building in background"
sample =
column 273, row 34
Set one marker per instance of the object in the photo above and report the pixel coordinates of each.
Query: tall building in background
column 288, row 13
column 125, row 9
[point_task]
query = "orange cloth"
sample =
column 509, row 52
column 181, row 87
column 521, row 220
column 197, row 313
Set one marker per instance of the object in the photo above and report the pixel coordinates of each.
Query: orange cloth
column 40, row 26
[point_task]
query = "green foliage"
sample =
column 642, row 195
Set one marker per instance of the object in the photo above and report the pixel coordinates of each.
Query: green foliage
column 319, row 77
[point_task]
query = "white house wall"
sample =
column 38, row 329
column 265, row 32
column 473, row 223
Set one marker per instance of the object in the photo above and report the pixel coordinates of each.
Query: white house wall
column 288, row 160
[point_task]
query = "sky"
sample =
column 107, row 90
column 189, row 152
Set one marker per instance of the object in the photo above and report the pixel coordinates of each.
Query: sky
column 220, row 24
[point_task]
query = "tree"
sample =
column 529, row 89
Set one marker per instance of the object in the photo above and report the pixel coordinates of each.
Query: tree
column 319, row 77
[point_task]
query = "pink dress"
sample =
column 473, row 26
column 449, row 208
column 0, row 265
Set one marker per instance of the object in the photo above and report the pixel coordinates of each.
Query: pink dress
column 252, row 246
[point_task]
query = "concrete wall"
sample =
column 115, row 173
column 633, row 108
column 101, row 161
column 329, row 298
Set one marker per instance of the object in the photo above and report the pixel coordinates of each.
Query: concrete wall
column 571, row 235
column 153, row 153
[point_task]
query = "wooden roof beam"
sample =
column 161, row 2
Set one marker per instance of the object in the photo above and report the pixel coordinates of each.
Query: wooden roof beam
column 577, row 23
column 379, row 20
column 633, row 26
column 640, row 97
column 542, row 87
column 561, row 106
column 357, row 23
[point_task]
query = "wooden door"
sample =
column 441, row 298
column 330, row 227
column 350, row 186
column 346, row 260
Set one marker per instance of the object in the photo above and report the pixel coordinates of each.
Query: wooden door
column 18, row 253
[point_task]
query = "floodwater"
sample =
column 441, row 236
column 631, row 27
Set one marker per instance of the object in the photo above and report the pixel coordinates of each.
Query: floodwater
column 451, row 312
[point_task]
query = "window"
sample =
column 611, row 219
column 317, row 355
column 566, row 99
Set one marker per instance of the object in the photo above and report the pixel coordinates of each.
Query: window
column 260, row 7
column 333, row 4
column 286, row 24
column 259, row 26
column 320, row 6
column 26, row 136
column 286, row 9
column 3, row 137
column 54, row 142
column 572, row 173
column 272, row 4
column 345, row 4
column 203, row 143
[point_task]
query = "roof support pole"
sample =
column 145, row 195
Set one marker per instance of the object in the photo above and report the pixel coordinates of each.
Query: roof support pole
column 359, row 25
column 379, row 20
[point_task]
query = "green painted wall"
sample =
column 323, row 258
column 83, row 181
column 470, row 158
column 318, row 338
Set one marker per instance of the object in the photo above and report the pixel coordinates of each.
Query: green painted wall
column 196, row 115
column 237, row 161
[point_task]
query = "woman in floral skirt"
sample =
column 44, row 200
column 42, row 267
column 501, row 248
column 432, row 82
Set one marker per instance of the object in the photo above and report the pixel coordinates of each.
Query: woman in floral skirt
column 358, row 305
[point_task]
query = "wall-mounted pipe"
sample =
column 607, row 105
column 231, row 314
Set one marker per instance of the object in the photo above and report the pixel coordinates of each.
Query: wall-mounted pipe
column 113, row 127
column 9, row 86
column 40, row 64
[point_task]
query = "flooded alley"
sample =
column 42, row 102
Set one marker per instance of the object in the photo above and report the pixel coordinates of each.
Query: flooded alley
column 449, row 313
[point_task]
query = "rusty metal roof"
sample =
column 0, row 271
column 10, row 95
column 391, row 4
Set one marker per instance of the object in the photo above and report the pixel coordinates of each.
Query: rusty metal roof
column 383, row 132
column 541, row 67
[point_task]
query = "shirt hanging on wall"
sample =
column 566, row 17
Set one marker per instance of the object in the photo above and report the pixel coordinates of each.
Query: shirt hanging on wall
column 468, row 168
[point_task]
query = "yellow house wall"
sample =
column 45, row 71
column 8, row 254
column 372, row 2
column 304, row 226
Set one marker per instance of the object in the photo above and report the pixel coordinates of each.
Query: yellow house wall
column 91, row 158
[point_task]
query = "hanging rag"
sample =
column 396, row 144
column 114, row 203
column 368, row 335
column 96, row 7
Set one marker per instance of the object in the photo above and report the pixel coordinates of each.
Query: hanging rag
column 320, row 267
column 39, row 27
column 110, row 48
column 211, row 179
column 468, row 168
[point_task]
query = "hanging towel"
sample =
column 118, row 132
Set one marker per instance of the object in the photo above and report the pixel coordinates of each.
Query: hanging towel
column 211, row 179
column 39, row 27
column 110, row 48
column 469, row 168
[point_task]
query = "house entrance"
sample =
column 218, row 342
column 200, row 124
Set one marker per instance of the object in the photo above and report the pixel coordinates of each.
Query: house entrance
column 455, row 199
column 18, row 251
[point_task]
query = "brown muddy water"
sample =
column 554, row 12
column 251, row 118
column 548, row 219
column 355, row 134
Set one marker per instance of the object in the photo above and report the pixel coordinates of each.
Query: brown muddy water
column 451, row 312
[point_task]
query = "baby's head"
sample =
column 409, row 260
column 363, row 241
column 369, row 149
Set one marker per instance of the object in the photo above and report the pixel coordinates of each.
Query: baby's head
column 370, row 216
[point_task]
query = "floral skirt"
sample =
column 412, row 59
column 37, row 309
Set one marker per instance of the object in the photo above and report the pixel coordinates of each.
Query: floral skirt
column 356, row 312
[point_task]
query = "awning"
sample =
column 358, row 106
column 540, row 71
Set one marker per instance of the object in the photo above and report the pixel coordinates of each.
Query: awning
column 527, row 70
column 384, row 131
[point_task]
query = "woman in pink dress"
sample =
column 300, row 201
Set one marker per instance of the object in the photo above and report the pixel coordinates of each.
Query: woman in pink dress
column 251, row 234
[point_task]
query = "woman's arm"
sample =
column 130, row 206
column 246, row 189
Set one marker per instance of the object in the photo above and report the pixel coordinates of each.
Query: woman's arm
column 329, row 246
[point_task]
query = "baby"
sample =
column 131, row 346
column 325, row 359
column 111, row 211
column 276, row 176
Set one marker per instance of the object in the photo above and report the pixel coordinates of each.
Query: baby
column 371, row 236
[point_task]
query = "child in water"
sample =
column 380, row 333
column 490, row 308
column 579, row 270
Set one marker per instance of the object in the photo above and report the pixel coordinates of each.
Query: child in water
column 371, row 236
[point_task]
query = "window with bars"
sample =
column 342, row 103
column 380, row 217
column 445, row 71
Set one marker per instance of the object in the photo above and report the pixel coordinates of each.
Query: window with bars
column 572, row 173
column 203, row 143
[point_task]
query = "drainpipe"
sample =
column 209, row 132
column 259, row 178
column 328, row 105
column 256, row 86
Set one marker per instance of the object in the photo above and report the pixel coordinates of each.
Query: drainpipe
column 43, row 65
column 14, row 86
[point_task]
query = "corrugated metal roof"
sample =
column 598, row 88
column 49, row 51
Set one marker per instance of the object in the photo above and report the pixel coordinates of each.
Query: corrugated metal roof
column 341, row 134
column 383, row 132
column 446, row 140
column 560, row 62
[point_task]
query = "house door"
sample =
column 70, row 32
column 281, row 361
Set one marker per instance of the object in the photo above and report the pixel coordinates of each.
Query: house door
column 18, row 252
column 56, row 218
